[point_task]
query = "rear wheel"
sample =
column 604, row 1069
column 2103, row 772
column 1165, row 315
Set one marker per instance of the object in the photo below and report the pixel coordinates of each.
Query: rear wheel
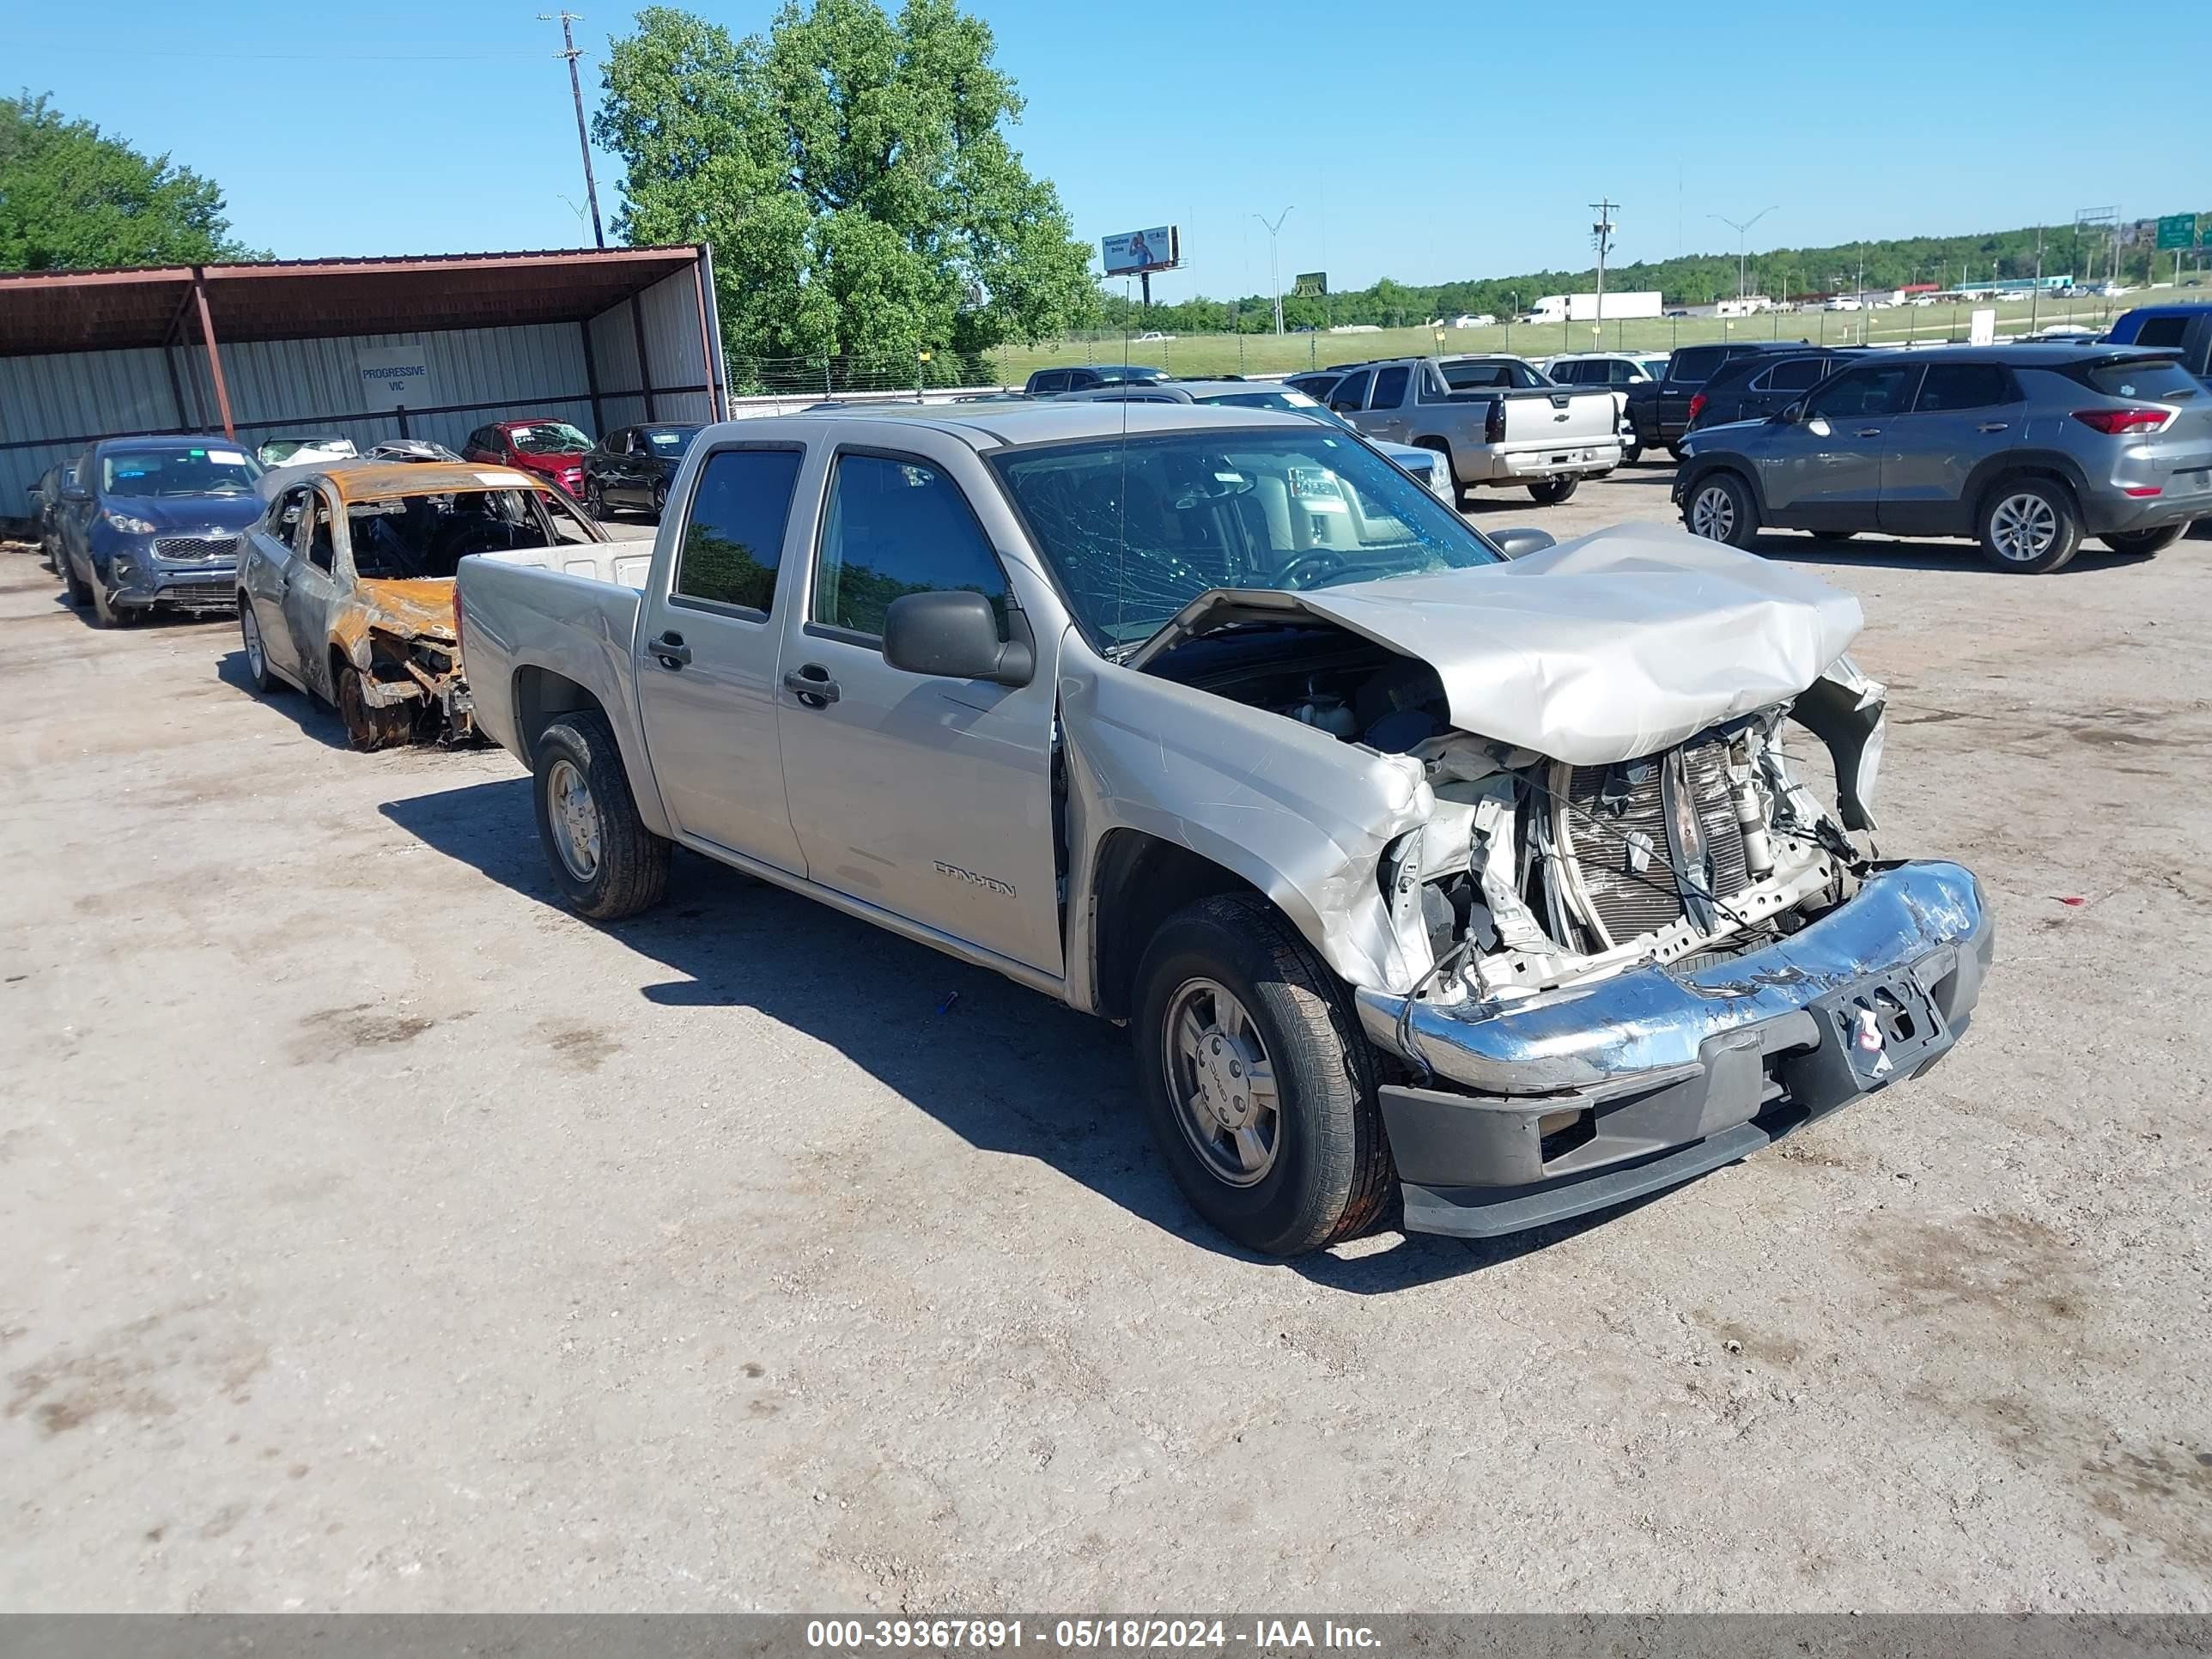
column 1260, row 1087
column 1552, row 491
column 2145, row 541
column 2029, row 527
column 1720, row 509
column 604, row 859
column 1674, row 449
column 1632, row 453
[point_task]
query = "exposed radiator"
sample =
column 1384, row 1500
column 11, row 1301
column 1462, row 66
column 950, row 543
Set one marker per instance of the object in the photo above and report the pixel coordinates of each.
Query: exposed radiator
column 1616, row 823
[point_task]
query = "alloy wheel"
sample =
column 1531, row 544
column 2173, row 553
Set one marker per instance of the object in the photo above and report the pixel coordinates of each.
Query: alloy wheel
column 2023, row 527
column 575, row 819
column 1712, row 514
column 1221, row 1083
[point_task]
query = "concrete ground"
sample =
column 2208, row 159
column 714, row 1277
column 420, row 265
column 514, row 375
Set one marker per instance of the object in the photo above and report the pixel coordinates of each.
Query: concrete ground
column 379, row 1236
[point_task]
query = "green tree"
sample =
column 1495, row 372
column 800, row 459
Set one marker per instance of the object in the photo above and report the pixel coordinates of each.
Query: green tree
column 851, row 172
column 72, row 198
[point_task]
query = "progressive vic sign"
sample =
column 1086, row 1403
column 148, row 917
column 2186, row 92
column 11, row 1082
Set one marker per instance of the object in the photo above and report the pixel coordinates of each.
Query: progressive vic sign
column 395, row 376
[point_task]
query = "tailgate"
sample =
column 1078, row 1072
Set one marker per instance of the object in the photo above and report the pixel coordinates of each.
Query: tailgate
column 1543, row 416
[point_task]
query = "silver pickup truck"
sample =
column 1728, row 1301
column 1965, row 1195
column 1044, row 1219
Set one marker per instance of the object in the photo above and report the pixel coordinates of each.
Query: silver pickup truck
column 1476, row 891
column 1499, row 420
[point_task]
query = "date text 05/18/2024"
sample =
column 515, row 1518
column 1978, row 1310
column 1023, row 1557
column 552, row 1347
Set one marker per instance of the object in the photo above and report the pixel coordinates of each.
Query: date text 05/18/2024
column 1084, row 1635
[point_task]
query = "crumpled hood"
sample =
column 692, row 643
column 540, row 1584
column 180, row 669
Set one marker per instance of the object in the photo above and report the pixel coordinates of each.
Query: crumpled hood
column 422, row 607
column 1615, row 645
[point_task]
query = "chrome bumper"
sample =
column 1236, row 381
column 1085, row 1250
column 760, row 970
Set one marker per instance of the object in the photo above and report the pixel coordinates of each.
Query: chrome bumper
column 1586, row 1097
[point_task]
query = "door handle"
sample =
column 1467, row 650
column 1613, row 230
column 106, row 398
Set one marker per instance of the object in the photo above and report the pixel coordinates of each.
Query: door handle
column 672, row 650
column 812, row 685
column 1994, row 426
column 1868, row 431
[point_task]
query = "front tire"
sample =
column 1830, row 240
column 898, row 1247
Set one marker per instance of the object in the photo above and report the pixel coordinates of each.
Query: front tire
column 1260, row 1088
column 111, row 615
column 258, row 673
column 2145, row 541
column 604, row 859
column 79, row 591
column 1720, row 509
column 595, row 498
column 1552, row 491
column 2029, row 527
column 659, row 500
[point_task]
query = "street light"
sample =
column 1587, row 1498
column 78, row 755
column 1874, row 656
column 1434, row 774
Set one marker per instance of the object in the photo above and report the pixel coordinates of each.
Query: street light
column 1274, row 270
column 1742, row 231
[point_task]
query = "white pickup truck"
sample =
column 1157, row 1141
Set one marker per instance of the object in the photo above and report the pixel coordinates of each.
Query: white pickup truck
column 1479, row 891
column 1499, row 420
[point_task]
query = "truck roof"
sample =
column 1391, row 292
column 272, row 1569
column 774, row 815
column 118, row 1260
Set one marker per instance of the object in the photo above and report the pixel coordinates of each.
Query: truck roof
column 996, row 426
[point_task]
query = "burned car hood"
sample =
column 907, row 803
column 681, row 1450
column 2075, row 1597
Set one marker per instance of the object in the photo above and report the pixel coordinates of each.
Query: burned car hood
column 421, row 608
column 1612, row 646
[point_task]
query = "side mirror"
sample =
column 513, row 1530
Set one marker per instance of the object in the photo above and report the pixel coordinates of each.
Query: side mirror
column 953, row 635
column 1792, row 415
column 1520, row 543
column 76, row 492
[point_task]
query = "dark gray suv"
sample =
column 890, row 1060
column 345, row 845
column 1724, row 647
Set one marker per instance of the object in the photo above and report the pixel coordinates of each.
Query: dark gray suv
column 2027, row 449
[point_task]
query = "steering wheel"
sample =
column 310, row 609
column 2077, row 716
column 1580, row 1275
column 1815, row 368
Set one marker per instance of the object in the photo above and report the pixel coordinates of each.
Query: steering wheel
column 1310, row 567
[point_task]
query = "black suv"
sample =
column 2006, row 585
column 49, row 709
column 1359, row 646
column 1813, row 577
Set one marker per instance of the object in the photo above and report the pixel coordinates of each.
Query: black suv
column 1086, row 377
column 1753, row 388
column 1659, row 409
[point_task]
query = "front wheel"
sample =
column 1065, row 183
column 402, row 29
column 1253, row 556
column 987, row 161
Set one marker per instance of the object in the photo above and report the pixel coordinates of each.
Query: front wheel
column 605, row 861
column 2029, row 527
column 1720, row 509
column 257, row 673
column 78, row 591
column 2145, row 541
column 595, row 498
column 1552, row 491
column 110, row 614
column 1258, row 1086
column 659, row 500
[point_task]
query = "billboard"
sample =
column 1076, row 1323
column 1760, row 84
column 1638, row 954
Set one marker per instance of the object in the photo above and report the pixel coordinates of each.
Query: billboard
column 1134, row 251
column 1309, row 285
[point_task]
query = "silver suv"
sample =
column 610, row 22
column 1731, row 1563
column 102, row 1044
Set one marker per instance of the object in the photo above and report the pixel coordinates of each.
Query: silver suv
column 2026, row 448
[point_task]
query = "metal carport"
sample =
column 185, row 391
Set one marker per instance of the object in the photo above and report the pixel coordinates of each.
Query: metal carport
column 601, row 337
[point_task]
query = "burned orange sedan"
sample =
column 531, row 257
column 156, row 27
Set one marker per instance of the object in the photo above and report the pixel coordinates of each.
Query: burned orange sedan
column 346, row 583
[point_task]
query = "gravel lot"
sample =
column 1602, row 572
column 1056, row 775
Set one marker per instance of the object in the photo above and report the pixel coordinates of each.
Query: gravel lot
column 379, row 1236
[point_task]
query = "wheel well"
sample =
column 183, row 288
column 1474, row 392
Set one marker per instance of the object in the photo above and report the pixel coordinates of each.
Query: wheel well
column 540, row 697
column 1141, row 881
column 2013, row 475
column 1717, row 469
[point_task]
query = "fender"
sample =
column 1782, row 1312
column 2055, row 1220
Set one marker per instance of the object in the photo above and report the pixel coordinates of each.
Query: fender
column 2025, row 459
column 1304, row 818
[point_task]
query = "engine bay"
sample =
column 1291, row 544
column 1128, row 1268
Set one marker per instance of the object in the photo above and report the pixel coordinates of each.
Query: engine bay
column 1530, row 873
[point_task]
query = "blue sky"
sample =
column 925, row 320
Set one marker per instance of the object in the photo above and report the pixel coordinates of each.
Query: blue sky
column 1464, row 143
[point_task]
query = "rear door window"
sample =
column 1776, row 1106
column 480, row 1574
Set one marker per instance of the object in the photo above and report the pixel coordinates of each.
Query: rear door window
column 1390, row 387
column 1798, row 374
column 1695, row 365
column 2162, row 331
column 734, row 537
column 1963, row 385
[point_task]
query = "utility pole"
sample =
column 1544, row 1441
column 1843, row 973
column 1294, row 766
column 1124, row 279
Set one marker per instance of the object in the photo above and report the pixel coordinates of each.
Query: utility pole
column 1602, row 233
column 576, row 91
column 1274, row 269
column 1741, row 230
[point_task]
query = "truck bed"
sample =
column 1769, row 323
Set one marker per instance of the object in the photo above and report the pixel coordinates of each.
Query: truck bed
column 576, row 623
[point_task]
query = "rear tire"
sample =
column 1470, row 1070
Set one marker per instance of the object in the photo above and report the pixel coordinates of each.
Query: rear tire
column 1720, row 509
column 1258, row 1084
column 2145, row 541
column 1631, row 454
column 605, row 862
column 1552, row 491
column 2029, row 527
column 1674, row 451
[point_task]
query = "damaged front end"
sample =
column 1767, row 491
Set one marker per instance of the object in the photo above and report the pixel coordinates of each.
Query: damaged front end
column 1606, row 973
column 407, row 686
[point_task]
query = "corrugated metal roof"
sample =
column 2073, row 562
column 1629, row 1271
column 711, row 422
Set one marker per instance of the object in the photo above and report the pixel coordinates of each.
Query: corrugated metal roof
column 304, row 299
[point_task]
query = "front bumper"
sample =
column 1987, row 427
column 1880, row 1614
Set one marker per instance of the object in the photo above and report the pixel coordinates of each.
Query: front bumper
column 1586, row 1097
column 142, row 582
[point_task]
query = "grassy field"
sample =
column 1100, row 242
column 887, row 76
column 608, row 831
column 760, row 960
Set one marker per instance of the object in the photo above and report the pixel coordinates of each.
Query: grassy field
column 1263, row 354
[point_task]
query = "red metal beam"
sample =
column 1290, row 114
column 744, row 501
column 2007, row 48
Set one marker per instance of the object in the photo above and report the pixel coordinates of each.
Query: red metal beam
column 214, row 357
